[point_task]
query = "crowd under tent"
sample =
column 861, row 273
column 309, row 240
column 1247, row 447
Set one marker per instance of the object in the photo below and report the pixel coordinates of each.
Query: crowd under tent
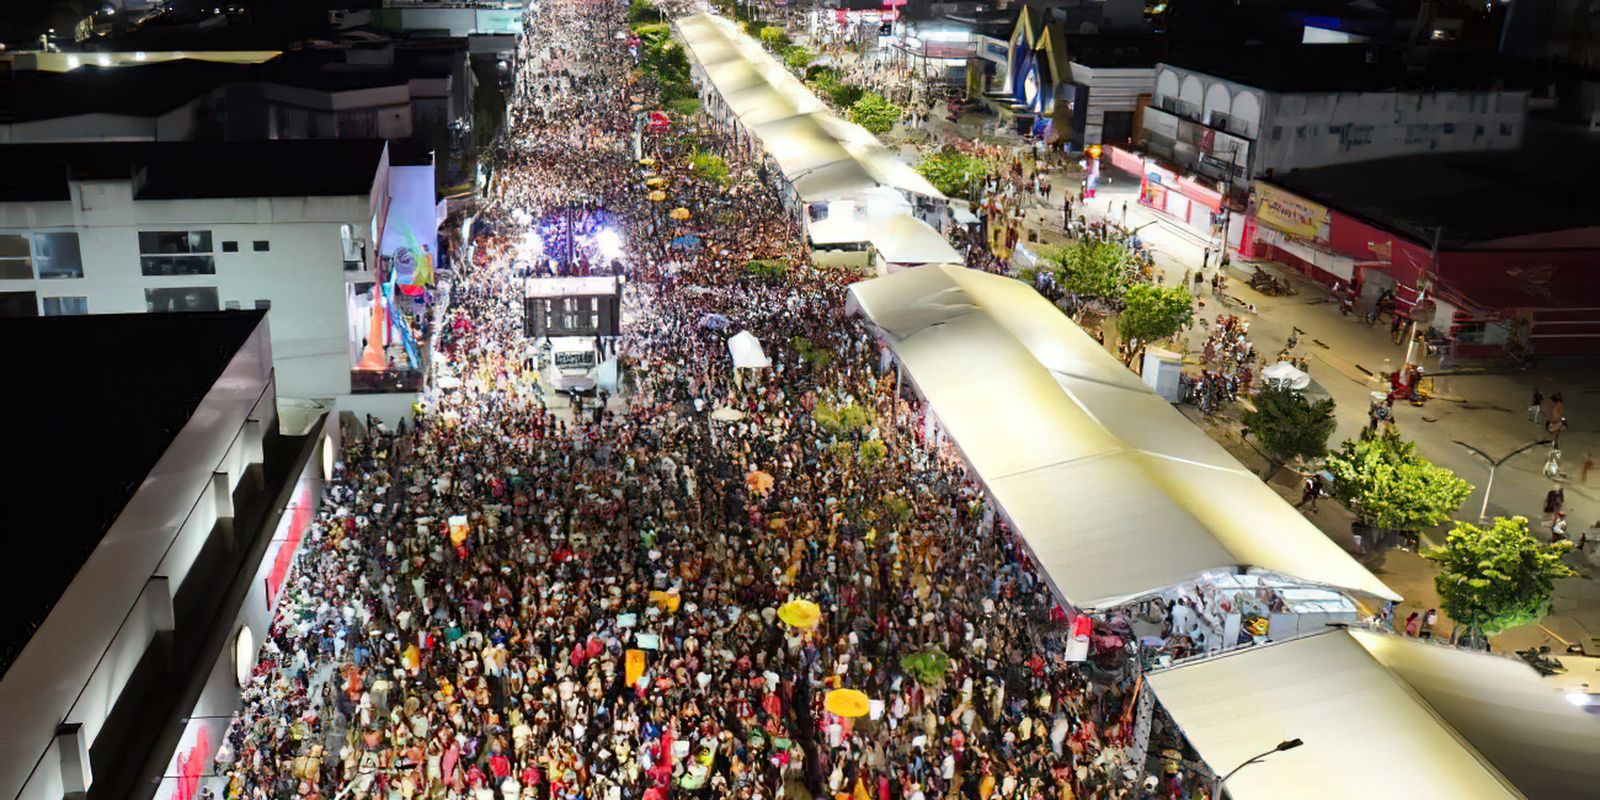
column 1117, row 495
column 1380, row 715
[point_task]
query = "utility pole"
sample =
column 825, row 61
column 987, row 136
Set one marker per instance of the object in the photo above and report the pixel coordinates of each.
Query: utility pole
column 1433, row 269
column 1494, row 464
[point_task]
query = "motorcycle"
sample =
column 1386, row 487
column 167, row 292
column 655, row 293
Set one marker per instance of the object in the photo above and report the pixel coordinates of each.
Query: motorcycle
column 1265, row 283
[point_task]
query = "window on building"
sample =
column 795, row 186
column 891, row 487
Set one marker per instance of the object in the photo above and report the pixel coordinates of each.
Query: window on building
column 57, row 255
column 19, row 304
column 16, row 260
column 263, row 305
column 182, row 298
column 1277, row 132
column 260, row 246
column 230, row 247
column 1507, row 128
column 66, row 306
column 176, row 253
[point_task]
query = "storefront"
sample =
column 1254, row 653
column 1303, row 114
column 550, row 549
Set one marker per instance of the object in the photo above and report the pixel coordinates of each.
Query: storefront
column 1184, row 198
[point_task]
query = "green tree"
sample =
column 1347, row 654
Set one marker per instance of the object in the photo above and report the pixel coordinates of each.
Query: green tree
column 1497, row 578
column 641, row 11
column 1091, row 269
column 875, row 113
column 955, row 173
column 1381, row 478
column 774, row 38
column 797, row 57
column 873, row 452
column 685, row 107
column 1289, row 426
column 709, row 167
column 1149, row 314
column 770, row 269
column 841, row 94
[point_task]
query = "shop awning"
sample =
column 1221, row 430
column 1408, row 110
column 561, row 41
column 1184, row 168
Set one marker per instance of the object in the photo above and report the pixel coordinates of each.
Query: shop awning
column 1117, row 493
column 904, row 239
column 1381, row 716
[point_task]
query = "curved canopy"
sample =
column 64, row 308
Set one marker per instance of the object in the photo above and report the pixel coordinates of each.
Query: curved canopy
column 1117, row 494
column 1469, row 724
column 904, row 239
column 792, row 124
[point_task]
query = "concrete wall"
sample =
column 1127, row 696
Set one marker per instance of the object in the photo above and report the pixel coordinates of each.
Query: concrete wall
column 301, row 275
column 75, row 668
column 1110, row 89
column 1315, row 130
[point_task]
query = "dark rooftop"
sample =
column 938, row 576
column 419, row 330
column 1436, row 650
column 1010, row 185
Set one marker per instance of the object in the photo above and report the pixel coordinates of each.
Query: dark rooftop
column 147, row 90
column 1476, row 198
column 1336, row 67
column 97, row 399
column 177, row 170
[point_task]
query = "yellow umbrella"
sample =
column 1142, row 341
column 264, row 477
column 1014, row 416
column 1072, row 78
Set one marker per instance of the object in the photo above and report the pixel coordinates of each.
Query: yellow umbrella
column 679, row 213
column 656, row 196
column 648, row 161
column 848, row 703
column 655, row 182
column 800, row 613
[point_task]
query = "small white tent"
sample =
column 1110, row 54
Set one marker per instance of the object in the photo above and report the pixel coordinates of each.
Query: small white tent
column 747, row 352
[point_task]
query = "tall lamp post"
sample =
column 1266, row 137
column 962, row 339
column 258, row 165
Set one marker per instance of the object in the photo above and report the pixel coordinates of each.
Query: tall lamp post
column 1286, row 744
column 1494, row 464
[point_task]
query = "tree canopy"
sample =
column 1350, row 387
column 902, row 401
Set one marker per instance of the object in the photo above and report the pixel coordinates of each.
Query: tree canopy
column 1091, row 269
column 1387, row 484
column 709, row 167
column 797, row 57
column 1497, row 578
column 1289, row 426
column 954, row 173
column 875, row 113
column 774, row 37
column 1151, row 313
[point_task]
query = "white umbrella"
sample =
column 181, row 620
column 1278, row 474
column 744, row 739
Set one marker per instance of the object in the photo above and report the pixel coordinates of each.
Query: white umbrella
column 746, row 351
column 725, row 414
column 1286, row 375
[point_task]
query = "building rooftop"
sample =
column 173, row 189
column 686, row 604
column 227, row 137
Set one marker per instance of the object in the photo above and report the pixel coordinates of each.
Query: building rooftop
column 147, row 90
column 178, row 170
column 106, row 394
column 1336, row 67
column 1477, row 199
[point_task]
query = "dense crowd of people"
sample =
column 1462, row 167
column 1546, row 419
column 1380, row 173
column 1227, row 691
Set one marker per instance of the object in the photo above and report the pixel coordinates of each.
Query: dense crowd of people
column 510, row 599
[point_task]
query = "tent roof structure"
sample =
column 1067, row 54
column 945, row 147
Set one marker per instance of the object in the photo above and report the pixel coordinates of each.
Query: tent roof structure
column 1468, row 724
column 794, row 127
column 1115, row 492
column 904, row 239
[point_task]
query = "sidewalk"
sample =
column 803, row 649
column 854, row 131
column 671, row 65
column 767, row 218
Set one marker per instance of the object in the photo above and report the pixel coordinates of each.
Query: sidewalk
column 1488, row 410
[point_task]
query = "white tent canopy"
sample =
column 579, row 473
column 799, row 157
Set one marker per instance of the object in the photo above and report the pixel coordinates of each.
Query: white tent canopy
column 1117, row 494
column 747, row 352
column 821, row 155
column 1382, row 716
column 840, row 229
column 905, row 239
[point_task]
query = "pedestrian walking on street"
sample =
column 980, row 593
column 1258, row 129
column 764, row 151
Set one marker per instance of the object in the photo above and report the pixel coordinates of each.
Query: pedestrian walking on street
column 1205, row 258
column 1413, row 624
column 1588, row 464
column 1310, row 491
column 1535, row 406
column 1554, row 427
column 1429, row 620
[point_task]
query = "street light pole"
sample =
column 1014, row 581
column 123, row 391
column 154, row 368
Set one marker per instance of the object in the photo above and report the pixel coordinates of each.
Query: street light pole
column 1286, row 744
column 1494, row 464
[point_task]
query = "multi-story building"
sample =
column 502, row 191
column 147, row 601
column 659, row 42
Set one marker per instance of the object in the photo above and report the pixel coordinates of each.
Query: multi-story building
column 288, row 226
column 1251, row 111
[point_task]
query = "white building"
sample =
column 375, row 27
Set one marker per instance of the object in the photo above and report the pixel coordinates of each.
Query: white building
column 134, row 227
column 1253, row 113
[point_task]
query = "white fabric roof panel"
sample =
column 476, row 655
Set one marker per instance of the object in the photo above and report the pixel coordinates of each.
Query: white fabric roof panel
column 1519, row 721
column 762, row 91
column 1382, row 717
column 904, row 239
column 844, row 229
column 1117, row 493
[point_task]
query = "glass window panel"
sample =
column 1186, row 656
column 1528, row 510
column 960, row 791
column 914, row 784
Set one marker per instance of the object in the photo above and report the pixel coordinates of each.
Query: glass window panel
column 65, row 306
column 182, row 298
column 19, row 304
column 58, row 255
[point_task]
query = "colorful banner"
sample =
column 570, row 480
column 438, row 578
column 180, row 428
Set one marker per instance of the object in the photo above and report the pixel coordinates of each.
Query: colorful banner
column 1289, row 213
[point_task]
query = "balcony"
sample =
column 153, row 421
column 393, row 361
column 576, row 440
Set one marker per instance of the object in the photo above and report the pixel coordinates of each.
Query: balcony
column 1228, row 123
column 1173, row 105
